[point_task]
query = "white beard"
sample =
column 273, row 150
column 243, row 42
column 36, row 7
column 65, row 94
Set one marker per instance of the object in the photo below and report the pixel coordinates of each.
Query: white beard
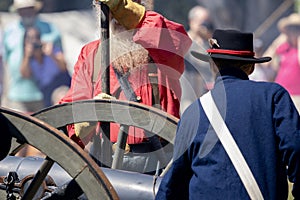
column 125, row 54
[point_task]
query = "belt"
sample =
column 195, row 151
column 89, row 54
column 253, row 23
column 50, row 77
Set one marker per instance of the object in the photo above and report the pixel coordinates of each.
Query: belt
column 144, row 147
column 153, row 75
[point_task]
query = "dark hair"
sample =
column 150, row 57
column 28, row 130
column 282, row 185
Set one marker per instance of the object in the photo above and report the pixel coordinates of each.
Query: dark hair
column 223, row 63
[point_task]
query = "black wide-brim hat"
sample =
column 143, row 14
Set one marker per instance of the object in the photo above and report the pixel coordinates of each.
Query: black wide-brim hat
column 231, row 45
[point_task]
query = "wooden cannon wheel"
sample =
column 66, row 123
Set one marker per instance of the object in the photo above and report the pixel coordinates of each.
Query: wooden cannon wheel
column 128, row 113
column 60, row 149
column 118, row 111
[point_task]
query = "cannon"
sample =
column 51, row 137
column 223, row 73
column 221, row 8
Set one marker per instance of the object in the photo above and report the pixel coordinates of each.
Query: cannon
column 128, row 185
column 66, row 161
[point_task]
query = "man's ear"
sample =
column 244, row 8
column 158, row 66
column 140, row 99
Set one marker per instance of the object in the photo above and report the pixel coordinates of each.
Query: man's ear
column 250, row 70
column 213, row 67
column 211, row 62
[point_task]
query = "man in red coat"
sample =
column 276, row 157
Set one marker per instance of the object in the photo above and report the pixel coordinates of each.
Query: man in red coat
column 140, row 39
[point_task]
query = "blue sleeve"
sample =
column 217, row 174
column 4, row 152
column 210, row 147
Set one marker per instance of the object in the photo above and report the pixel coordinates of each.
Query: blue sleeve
column 175, row 183
column 287, row 125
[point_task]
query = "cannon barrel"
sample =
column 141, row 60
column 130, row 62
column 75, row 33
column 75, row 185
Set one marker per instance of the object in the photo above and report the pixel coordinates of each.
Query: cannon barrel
column 128, row 185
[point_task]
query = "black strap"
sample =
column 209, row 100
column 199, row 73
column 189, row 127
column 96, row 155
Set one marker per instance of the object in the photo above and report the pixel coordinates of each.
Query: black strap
column 130, row 95
column 153, row 77
column 125, row 86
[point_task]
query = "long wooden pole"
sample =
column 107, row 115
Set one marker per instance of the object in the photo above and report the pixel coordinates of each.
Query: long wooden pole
column 105, row 48
column 106, row 152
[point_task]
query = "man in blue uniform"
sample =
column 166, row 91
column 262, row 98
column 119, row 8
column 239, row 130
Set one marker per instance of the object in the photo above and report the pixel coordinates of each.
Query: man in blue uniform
column 260, row 116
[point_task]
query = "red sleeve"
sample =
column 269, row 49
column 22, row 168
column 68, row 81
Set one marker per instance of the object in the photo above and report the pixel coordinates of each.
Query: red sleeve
column 166, row 41
column 81, row 84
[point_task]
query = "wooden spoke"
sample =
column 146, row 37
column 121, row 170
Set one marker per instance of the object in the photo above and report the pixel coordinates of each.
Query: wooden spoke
column 59, row 148
column 122, row 112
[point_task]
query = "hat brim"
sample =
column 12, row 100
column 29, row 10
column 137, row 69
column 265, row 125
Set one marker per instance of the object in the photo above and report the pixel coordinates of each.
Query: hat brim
column 207, row 57
column 37, row 6
column 291, row 20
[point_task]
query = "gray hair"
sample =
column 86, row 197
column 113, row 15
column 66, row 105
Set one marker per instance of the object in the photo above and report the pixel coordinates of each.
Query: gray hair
column 194, row 12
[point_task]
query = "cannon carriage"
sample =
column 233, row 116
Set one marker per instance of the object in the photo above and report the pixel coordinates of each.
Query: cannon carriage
column 34, row 178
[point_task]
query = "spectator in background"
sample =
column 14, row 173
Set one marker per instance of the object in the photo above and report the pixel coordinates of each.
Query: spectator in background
column 286, row 57
column 201, row 25
column 45, row 64
column 197, row 77
column 22, row 93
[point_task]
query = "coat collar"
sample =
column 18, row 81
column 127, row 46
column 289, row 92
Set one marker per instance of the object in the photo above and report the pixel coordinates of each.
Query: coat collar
column 230, row 71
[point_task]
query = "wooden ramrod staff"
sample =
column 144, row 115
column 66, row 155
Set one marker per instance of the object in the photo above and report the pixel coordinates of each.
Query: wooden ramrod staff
column 101, row 150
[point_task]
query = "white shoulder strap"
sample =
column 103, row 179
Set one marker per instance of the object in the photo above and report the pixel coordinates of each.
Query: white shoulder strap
column 230, row 146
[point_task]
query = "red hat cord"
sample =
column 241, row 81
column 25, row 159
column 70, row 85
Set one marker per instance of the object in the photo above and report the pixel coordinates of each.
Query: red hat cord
column 231, row 52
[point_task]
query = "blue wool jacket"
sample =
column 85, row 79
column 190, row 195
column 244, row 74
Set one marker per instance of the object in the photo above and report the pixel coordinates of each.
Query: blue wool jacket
column 264, row 123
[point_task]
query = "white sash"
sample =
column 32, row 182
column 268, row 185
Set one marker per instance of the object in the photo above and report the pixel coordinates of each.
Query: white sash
column 230, row 146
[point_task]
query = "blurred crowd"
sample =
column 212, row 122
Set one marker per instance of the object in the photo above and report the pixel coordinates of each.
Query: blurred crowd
column 33, row 68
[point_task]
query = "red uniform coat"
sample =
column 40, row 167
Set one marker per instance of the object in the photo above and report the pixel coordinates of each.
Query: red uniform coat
column 166, row 42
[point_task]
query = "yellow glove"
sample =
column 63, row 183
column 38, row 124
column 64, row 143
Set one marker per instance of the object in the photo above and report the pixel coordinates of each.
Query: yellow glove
column 104, row 96
column 126, row 12
column 110, row 3
column 83, row 129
